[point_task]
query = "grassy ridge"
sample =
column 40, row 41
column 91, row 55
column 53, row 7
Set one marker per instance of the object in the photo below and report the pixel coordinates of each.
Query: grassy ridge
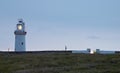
column 59, row 63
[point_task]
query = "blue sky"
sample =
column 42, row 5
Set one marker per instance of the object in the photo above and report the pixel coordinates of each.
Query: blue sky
column 52, row 24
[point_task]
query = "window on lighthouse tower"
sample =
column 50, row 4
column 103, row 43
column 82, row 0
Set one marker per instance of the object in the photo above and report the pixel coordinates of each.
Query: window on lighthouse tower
column 22, row 43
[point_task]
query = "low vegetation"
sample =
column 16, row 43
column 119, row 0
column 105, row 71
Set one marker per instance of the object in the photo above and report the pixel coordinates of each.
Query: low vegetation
column 59, row 63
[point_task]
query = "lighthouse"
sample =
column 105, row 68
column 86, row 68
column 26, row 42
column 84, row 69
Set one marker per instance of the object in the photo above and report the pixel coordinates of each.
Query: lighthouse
column 20, row 33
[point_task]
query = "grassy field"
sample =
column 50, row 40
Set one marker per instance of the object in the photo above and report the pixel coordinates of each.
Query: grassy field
column 59, row 63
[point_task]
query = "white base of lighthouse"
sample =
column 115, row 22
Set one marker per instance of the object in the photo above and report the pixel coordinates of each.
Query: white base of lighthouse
column 20, row 43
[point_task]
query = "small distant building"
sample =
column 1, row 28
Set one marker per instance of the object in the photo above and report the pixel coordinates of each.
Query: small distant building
column 98, row 51
column 88, row 51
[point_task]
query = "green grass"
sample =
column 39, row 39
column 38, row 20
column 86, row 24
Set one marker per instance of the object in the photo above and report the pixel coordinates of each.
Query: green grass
column 59, row 63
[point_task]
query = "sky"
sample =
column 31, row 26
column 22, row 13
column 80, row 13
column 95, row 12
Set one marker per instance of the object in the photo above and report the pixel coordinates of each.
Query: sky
column 52, row 24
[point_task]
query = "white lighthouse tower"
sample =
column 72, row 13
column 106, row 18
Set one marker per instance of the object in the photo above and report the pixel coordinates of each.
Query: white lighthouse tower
column 20, row 37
